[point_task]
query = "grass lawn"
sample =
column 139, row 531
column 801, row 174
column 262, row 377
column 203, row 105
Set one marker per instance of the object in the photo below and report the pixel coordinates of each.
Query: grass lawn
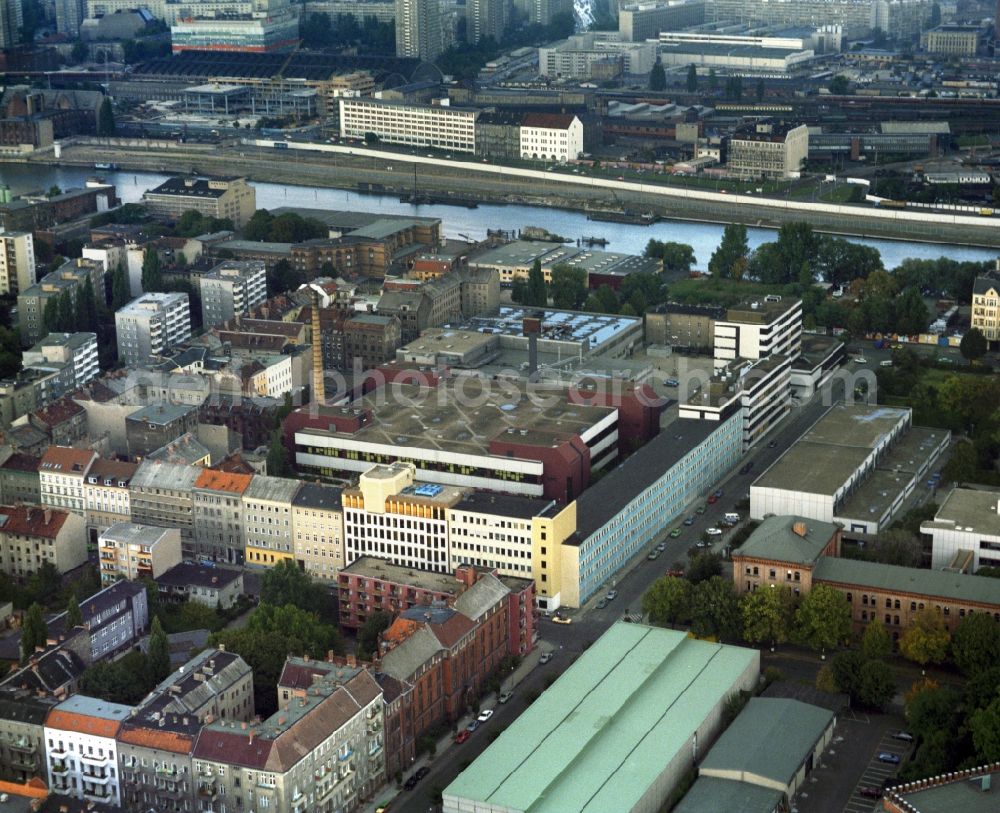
column 715, row 291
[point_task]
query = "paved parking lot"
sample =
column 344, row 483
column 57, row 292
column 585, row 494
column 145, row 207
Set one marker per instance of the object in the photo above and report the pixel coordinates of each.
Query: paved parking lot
column 850, row 762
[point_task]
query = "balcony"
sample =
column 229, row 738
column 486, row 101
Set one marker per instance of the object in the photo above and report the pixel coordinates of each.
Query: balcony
column 346, row 755
column 59, row 768
column 101, row 778
column 100, row 795
column 96, row 762
column 24, row 745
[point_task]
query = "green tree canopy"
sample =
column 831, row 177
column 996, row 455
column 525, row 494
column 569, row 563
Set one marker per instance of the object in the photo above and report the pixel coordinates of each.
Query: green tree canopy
column 74, row 617
column 973, row 345
column 876, row 685
column 767, row 615
column 34, row 631
column 537, row 294
column 975, row 645
column 287, row 583
column 876, row 643
column 668, row 601
column 985, row 727
column 703, row 566
column 926, row 639
column 715, row 609
column 692, row 78
column 106, row 119
column 152, row 275
column 657, row 77
column 120, row 291
column 569, row 287
column 730, row 257
column 839, row 85
column 375, row 624
column 158, row 659
column 823, row 620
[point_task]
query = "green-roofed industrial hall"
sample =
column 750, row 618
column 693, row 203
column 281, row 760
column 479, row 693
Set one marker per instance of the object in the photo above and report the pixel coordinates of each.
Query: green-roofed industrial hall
column 772, row 745
column 615, row 733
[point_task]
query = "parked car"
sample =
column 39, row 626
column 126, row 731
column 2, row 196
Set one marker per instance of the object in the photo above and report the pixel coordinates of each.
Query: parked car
column 746, row 467
column 701, row 509
column 712, row 499
column 462, row 736
column 470, row 728
column 612, row 595
column 652, row 555
column 672, row 382
column 485, row 715
column 886, row 756
column 422, row 772
column 602, row 604
column 870, row 792
column 772, row 444
column 410, row 783
column 689, row 521
column 676, row 532
column 676, row 572
column 505, row 697
column 546, row 657
column 905, row 736
column 661, row 547
column 703, row 544
column 561, row 619
column 718, row 494
column 713, row 532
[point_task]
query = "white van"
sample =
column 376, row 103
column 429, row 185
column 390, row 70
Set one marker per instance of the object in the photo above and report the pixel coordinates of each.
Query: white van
column 732, row 518
column 886, row 363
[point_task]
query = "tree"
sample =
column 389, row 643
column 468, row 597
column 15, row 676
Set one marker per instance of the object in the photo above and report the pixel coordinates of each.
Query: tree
column 657, row 77
column 158, row 663
column 845, row 668
column 286, row 583
column 926, row 640
column 120, row 681
column 975, row 643
column 677, row 257
column 603, row 300
column 732, row 250
column 838, row 85
column 34, row 631
column 120, row 290
column 642, row 291
column 152, row 277
column 668, row 601
column 106, row 119
column 840, row 261
column 50, row 314
column 876, row 643
column 912, row 316
column 897, row 547
column 371, row 139
column 537, row 294
column 715, row 609
column 74, row 618
column 713, row 80
column 973, row 346
column 876, row 685
column 78, row 52
column 704, row 566
column 823, row 619
column 692, row 78
column 985, row 727
column 278, row 464
column 569, row 287
column 258, row 227
column 85, row 306
column 65, row 322
column 963, row 465
column 767, row 615
column 374, row 626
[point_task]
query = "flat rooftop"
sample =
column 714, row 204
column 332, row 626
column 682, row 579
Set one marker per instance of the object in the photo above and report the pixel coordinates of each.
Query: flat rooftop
column 829, row 453
column 464, row 415
column 372, row 568
column 711, row 795
column 970, row 509
column 593, row 328
column 131, row 533
column 967, row 794
column 506, row 505
column 600, row 737
column 760, row 310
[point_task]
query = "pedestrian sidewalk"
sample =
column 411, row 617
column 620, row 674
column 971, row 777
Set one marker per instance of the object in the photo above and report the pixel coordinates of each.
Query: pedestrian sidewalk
column 446, row 742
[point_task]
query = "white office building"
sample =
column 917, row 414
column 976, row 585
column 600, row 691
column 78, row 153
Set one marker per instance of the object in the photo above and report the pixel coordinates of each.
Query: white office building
column 150, row 325
column 17, row 262
column 231, row 289
column 418, row 125
column 966, row 525
column 758, row 329
column 575, row 56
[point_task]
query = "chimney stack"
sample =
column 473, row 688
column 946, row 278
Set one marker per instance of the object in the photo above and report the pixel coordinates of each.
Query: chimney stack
column 800, row 529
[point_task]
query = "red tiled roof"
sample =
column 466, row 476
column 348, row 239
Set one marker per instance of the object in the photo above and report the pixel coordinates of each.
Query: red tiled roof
column 66, row 460
column 32, row 521
column 82, row 723
column 55, row 413
column 299, row 676
column 21, row 462
column 233, row 747
column 172, row 741
column 223, row 481
column 551, row 121
column 113, row 469
column 453, row 630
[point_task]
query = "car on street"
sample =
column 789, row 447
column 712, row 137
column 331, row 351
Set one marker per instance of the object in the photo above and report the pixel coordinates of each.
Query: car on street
column 713, row 532
column 505, row 697
column 886, row 756
column 561, row 619
column 905, row 736
column 718, row 494
column 675, row 533
column 701, row 509
column 602, row 604
column 703, row 544
column 676, row 572
column 746, row 467
column 546, row 657
column 870, row 792
column 462, row 736
column 653, row 555
column 712, row 499
column 945, row 360
column 689, row 521
column 661, row 547
column 410, row 783
column 772, row 444
column 672, row 382
column 860, row 360
column 422, row 772
column 470, row 727
column 485, row 715
column 612, row 595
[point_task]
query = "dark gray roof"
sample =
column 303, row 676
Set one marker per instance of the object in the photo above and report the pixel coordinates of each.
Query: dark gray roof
column 199, row 575
column 20, row 706
column 505, row 505
column 984, row 283
column 618, row 487
column 316, row 495
column 197, row 188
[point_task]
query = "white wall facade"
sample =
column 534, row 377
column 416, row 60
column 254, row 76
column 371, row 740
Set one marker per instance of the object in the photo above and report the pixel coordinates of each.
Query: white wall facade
column 553, row 144
column 83, row 766
column 418, row 125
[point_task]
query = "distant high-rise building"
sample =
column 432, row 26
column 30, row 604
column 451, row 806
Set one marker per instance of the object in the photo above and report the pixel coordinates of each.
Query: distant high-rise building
column 418, row 29
column 485, row 18
column 69, row 15
column 10, row 23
